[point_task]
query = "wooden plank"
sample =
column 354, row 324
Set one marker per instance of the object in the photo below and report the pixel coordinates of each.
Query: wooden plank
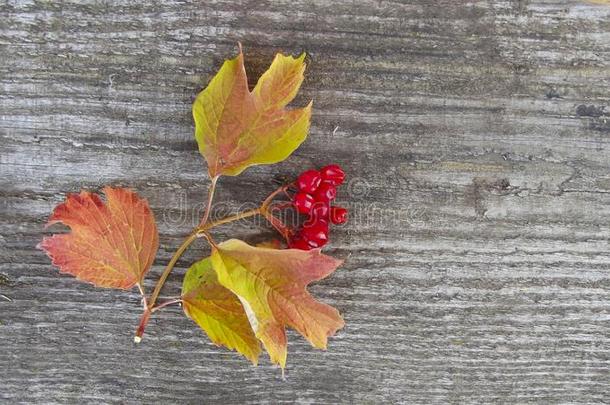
column 476, row 140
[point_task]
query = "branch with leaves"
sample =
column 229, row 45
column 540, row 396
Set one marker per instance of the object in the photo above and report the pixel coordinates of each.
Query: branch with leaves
column 242, row 296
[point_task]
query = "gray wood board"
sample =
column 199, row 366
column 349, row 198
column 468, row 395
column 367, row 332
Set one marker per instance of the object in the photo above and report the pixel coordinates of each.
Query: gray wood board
column 476, row 140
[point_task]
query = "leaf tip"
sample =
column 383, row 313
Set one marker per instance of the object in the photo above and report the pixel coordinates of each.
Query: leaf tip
column 301, row 57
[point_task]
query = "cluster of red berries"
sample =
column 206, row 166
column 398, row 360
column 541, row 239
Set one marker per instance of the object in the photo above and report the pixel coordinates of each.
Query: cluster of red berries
column 316, row 190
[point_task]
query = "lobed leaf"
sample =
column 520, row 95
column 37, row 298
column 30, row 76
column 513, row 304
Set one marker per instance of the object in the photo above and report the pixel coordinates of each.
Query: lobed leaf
column 236, row 128
column 218, row 311
column 271, row 284
column 110, row 245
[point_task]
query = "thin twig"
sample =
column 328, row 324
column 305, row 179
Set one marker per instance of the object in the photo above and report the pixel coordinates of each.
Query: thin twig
column 241, row 215
column 168, row 269
column 166, row 303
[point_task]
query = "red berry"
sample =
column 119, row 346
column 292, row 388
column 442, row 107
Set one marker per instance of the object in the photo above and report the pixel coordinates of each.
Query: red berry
column 317, row 244
column 303, row 202
column 332, row 174
column 320, row 210
column 325, row 193
column 338, row 215
column 309, row 181
column 299, row 243
column 316, row 234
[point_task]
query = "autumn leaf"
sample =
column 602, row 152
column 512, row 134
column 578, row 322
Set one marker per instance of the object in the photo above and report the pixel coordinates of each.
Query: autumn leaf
column 271, row 284
column 218, row 311
column 236, row 128
column 110, row 245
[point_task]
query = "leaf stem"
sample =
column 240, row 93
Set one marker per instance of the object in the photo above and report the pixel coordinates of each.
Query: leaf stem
column 143, row 294
column 269, row 199
column 166, row 303
column 208, row 208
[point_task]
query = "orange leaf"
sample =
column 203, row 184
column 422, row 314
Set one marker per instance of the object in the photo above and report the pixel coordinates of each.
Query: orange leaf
column 111, row 245
column 236, row 128
column 271, row 285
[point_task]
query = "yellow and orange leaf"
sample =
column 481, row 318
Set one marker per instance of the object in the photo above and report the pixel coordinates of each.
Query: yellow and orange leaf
column 236, row 128
column 218, row 311
column 111, row 244
column 272, row 286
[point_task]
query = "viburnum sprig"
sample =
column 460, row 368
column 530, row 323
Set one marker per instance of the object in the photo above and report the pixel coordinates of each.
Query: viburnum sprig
column 242, row 296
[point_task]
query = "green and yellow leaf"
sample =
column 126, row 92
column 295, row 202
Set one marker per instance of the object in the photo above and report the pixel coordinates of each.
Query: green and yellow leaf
column 218, row 311
column 272, row 286
column 236, row 128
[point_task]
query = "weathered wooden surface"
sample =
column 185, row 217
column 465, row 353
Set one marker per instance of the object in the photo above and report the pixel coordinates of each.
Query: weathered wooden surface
column 477, row 139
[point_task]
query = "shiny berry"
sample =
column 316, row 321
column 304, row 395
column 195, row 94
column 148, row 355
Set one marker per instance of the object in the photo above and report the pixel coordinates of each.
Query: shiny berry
column 299, row 243
column 338, row 215
column 325, row 193
column 320, row 210
column 316, row 234
column 332, row 174
column 309, row 181
column 317, row 243
column 303, row 202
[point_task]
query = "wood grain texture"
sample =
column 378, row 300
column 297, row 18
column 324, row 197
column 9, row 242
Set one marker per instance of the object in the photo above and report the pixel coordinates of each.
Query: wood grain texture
column 476, row 136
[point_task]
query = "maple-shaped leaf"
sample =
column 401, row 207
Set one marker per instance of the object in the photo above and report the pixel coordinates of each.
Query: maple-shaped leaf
column 236, row 128
column 218, row 311
column 110, row 245
column 271, row 285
